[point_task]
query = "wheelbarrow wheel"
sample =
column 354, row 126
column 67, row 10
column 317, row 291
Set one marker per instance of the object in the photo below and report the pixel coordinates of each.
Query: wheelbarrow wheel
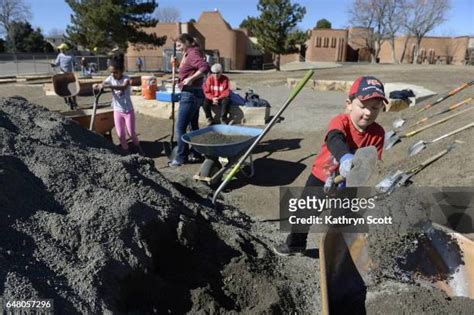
column 209, row 167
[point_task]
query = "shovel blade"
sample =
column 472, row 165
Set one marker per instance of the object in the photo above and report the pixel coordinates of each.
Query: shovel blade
column 416, row 148
column 398, row 123
column 389, row 183
column 390, row 142
column 389, row 134
column 364, row 164
column 171, row 150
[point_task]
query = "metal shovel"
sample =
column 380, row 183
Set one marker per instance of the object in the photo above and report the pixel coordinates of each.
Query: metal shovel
column 394, row 138
column 421, row 145
column 399, row 122
column 400, row 178
column 363, row 166
column 171, row 148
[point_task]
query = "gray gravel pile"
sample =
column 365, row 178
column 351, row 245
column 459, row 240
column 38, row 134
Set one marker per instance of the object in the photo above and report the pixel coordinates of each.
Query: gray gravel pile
column 100, row 232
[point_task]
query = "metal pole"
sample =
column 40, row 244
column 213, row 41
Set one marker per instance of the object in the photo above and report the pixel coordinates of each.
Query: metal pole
column 16, row 63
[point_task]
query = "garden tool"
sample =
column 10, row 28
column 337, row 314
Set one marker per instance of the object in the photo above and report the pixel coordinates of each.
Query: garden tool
column 450, row 93
column 94, row 108
column 391, row 141
column 398, row 123
column 171, row 148
column 293, row 93
column 363, row 166
column 400, row 178
column 421, row 145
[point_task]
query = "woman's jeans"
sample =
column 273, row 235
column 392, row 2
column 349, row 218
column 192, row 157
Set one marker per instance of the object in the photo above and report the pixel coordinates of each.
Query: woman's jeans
column 188, row 115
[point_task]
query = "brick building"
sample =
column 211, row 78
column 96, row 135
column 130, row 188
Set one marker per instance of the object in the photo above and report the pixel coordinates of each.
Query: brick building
column 450, row 50
column 231, row 47
column 339, row 45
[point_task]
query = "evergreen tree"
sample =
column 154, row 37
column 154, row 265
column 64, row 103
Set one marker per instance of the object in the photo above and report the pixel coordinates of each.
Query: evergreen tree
column 323, row 23
column 22, row 37
column 277, row 20
column 101, row 25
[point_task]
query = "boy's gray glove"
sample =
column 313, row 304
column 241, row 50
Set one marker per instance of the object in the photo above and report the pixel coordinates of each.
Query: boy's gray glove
column 345, row 164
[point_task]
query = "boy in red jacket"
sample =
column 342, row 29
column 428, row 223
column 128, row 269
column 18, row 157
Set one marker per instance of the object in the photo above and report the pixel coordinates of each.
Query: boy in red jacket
column 216, row 92
column 345, row 134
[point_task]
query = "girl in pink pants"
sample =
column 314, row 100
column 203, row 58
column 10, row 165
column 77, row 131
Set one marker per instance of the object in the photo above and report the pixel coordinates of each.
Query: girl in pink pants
column 125, row 122
column 124, row 116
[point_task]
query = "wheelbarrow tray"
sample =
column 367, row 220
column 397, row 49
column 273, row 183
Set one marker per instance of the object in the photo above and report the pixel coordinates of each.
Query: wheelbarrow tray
column 223, row 150
column 104, row 118
column 345, row 263
column 66, row 84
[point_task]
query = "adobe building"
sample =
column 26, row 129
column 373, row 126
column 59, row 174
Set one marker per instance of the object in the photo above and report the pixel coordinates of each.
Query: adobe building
column 445, row 50
column 231, row 47
column 159, row 57
column 349, row 45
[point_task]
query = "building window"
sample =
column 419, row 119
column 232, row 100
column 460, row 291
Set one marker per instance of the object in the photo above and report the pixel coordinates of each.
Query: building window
column 333, row 42
column 318, row 41
column 431, row 57
column 326, row 42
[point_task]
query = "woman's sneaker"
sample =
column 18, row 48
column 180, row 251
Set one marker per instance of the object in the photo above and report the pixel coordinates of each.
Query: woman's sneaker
column 285, row 250
column 174, row 164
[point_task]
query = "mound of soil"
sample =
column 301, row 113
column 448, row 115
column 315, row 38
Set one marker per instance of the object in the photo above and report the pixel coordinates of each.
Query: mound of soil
column 100, row 232
column 400, row 298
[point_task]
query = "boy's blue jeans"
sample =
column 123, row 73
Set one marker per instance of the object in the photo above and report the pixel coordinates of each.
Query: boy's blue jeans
column 188, row 115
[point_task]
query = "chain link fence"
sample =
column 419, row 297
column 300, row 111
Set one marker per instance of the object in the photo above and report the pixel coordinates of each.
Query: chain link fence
column 31, row 64
column 36, row 64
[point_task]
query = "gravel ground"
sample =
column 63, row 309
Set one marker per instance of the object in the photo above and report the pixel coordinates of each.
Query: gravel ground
column 286, row 154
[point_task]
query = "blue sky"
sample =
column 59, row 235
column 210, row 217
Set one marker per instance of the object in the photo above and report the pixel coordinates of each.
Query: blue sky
column 49, row 14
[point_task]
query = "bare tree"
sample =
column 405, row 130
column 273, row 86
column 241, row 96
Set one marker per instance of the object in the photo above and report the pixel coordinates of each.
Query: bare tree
column 394, row 21
column 168, row 15
column 56, row 32
column 371, row 15
column 12, row 11
column 423, row 16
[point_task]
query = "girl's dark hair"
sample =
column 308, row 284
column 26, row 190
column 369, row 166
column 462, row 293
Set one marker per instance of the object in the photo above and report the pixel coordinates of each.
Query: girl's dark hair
column 187, row 39
column 118, row 61
column 191, row 41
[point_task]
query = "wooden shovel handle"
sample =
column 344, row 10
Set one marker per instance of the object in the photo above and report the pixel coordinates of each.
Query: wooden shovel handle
column 450, row 108
column 427, row 162
column 467, row 100
column 414, row 132
column 460, row 88
column 454, row 132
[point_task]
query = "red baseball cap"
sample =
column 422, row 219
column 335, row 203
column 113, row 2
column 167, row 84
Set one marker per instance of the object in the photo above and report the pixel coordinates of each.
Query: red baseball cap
column 367, row 87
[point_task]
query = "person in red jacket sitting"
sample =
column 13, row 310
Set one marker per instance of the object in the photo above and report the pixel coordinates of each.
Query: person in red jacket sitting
column 216, row 92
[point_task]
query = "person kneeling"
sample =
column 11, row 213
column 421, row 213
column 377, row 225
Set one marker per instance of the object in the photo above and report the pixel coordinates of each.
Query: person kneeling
column 216, row 91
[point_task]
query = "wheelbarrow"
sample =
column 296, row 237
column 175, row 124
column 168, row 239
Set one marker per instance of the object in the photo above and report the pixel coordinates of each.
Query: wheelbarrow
column 100, row 120
column 345, row 265
column 212, row 169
